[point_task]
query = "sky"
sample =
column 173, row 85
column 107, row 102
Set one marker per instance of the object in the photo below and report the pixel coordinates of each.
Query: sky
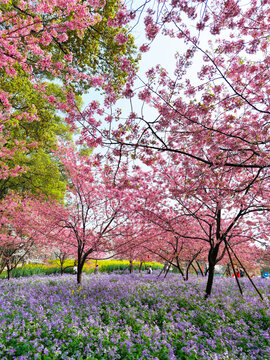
column 162, row 52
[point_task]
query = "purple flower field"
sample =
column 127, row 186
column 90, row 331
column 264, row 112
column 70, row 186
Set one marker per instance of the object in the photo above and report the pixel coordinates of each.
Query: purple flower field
column 132, row 317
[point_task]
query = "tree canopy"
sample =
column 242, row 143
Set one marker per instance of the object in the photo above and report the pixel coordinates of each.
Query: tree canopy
column 183, row 175
column 51, row 53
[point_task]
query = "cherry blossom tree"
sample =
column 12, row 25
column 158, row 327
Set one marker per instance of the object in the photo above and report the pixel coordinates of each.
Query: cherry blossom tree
column 202, row 208
column 204, row 139
column 131, row 238
column 22, row 230
column 93, row 212
column 170, row 237
column 45, row 38
column 266, row 255
column 209, row 118
column 60, row 250
column 214, row 108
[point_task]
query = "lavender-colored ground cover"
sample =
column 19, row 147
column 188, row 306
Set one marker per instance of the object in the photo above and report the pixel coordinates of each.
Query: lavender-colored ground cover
column 132, row 317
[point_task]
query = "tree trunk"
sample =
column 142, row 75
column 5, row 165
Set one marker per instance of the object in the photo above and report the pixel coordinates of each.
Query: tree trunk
column 163, row 269
column 79, row 273
column 196, row 271
column 131, row 267
column 167, row 270
column 181, row 271
column 228, row 270
column 8, row 272
column 199, row 266
column 187, row 270
column 80, row 264
column 212, row 257
column 210, row 280
column 179, row 268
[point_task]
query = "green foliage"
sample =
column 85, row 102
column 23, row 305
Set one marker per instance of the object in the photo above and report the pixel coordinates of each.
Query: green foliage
column 28, row 100
column 40, row 135
column 43, row 175
column 34, row 269
column 96, row 52
column 109, row 266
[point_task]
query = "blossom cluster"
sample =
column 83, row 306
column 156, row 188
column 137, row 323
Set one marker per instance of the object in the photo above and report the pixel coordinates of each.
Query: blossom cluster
column 134, row 316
